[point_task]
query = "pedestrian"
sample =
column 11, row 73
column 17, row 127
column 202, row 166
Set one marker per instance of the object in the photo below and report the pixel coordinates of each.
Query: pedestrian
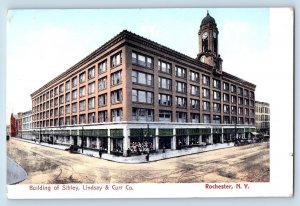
column 147, row 157
column 100, row 153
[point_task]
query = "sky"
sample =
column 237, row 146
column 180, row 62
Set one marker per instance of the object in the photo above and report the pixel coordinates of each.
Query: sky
column 41, row 44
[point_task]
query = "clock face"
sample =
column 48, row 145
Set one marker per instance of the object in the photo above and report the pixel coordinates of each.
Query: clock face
column 202, row 59
column 215, row 35
column 204, row 35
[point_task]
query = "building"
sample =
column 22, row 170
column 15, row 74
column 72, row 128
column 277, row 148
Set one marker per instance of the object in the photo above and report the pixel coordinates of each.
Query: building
column 13, row 125
column 26, row 125
column 19, row 124
column 262, row 116
column 132, row 91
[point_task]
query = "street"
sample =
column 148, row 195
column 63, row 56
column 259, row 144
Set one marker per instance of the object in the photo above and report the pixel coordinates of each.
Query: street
column 44, row 165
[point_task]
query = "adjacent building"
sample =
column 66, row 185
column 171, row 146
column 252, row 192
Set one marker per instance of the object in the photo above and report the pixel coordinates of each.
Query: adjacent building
column 262, row 116
column 134, row 93
column 26, row 125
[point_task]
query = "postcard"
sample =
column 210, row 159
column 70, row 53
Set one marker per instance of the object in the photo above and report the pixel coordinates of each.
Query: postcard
column 150, row 103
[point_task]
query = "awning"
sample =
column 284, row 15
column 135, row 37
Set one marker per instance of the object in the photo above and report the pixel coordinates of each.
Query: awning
column 254, row 133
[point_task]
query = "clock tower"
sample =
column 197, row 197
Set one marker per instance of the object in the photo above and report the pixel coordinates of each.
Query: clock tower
column 208, row 44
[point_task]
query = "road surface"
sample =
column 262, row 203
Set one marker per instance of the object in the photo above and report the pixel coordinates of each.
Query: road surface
column 46, row 165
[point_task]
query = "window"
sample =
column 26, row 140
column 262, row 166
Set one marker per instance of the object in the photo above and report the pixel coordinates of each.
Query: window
column 181, row 117
column 180, row 72
column 226, row 97
column 216, row 84
column 217, row 107
column 206, row 118
column 240, row 90
column 206, row 106
column 55, row 112
column 251, row 112
column 226, row 108
column 68, row 97
column 91, row 73
column 61, row 99
column 82, row 105
column 142, row 115
column 233, row 99
column 56, row 91
column 82, row 119
column 142, row 78
column 251, row 94
column 116, row 115
column 81, row 91
column 61, row 88
column 164, row 83
column 226, row 120
column 180, row 87
column 164, row 99
column 225, row 86
column 241, row 100
column 195, row 118
column 217, row 119
column 194, row 76
column 67, row 109
column 217, row 95
column 116, row 78
column 142, row 60
column 74, row 94
column 82, row 77
column 246, row 120
column 142, row 96
column 61, row 121
column 164, row 67
column 246, row 93
column 91, row 103
column 165, row 116
column 240, row 110
column 246, row 101
column 205, row 93
column 91, row 88
column 51, row 93
column 67, row 85
column 251, row 103
column 102, row 83
column 74, row 82
column 102, row 116
column 102, row 100
column 241, row 120
column 233, row 109
column 102, row 66
column 233, row 120
column 116, row 96
column 194, row 90
column 205, row 80
column 233, row 89
column 181, row 102
column 67, row 121
column 116, row 59
column 195, row 104
column 56, row 101
column 246, row 111
column 91, row 117
column 74, row 120
column 61, row 110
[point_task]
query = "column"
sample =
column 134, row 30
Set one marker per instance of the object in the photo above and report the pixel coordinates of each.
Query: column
column 210, row 136
column 173, row 144
column 200, row 139
column 108, row 141
column 97, row 143
column 126, row 141
column 188, row 140
column 88, row 142
column 71, row 140
column 156, row 140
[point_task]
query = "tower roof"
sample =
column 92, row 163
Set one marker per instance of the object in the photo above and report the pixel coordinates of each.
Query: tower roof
column 208, row 19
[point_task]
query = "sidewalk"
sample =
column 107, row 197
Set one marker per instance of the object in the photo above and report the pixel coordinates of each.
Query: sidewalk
column 140, row 158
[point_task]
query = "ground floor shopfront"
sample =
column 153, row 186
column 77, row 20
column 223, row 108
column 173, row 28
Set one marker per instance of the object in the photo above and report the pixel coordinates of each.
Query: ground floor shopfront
column 129, row 139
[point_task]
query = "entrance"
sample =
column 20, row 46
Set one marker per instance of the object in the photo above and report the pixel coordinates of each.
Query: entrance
column 165, row 142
